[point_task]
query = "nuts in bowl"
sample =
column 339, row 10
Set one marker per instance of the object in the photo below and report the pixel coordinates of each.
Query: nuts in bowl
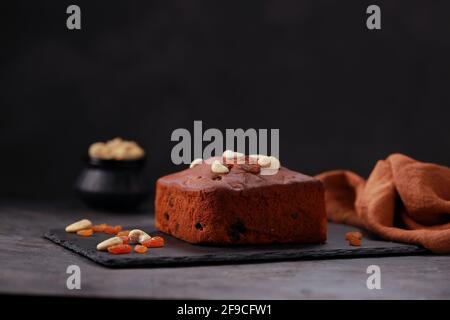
column 116, row 149
column 113, row 176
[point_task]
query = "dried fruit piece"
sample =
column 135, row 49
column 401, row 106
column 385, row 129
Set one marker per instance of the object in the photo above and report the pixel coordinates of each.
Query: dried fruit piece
column 123, row 233
column 154, row 242
column 353, row 235
column 354, row 242
column 85, row 232
column 120, row 249
column 109, row 230
column 99, row 227
column 124, row 239
column 140, row 249
column 113, row 230
column 354, row 238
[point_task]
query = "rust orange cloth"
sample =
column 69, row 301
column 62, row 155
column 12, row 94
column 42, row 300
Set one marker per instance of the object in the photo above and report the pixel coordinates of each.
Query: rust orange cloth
column 403, row 200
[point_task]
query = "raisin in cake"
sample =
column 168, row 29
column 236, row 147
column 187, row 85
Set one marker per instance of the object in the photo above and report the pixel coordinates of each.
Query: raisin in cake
column 240, row 205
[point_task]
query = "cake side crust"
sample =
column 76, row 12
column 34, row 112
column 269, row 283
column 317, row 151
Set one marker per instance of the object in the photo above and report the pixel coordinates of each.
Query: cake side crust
column 286, row 211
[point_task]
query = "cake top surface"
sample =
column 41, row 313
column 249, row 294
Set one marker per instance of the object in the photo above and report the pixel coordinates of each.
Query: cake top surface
column 240, row 176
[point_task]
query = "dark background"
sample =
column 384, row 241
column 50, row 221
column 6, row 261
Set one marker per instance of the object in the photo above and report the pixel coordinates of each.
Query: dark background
column 341, row 95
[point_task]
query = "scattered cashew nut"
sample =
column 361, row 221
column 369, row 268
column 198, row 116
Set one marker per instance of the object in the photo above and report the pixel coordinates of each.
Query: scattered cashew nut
column 104, row 245
column 79, row 225
column 138, row 236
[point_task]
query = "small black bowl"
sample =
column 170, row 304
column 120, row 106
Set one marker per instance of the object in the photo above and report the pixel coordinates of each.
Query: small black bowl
column 112, row 184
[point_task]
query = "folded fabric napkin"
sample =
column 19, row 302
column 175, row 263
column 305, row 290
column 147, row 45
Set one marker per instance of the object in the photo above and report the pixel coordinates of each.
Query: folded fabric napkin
column 403, row 200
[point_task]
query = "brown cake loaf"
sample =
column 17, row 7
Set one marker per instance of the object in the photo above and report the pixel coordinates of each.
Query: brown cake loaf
column 241, row 206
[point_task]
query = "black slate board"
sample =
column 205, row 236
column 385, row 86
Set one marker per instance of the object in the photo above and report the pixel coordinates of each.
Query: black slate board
column 177, row 252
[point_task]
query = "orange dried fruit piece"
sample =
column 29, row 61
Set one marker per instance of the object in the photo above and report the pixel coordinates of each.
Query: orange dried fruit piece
column 354, row 238
column 353, row 235
column 154, row 242
column 99, row 227
column 140, row 249
column 354, row 242
column 113, row 229
column 85, row 232
column 120, row 249
column 124, row 239
column 123, row 233
column 117, row 229
column 109, row 230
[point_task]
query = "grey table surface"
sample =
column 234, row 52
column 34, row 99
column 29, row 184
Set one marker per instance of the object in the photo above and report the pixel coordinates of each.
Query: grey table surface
column 32, row 265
